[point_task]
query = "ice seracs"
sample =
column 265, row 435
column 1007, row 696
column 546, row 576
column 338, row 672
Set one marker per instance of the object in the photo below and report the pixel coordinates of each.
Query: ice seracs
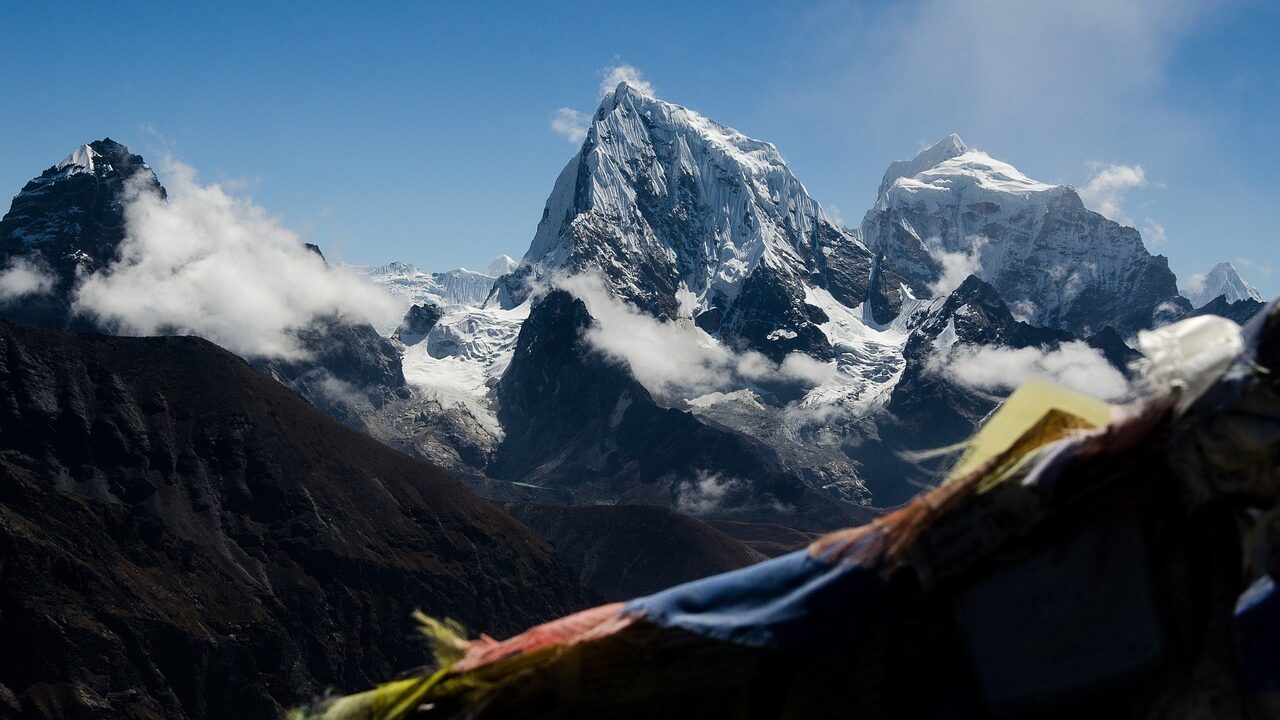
column 454, row 287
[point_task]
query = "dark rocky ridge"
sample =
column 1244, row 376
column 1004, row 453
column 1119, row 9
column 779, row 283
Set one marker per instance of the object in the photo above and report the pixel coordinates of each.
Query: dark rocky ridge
column 69, row 223
column 626, row 551
column 418, row 321
column 1242, row 311
column 926, row 410
column 183, row 537
column 72, row 223
column 579, row 422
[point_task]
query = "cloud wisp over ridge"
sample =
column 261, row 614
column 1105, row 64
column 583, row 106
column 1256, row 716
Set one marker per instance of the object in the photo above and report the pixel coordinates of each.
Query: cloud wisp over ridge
column 573, row 124
column 677, row 360
column 23, row 278
column 209, row 263
column 994, row 369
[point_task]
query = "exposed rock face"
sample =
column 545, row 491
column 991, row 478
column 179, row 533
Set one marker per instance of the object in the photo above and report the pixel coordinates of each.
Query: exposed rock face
column 185, row 538
column 688, row 218
column 1056, row 263
column 578, row 421
column 1242, row 311
column 418, row 321
column 626, row 551
column 69, row 221
column 350, row 370
column 927, row 410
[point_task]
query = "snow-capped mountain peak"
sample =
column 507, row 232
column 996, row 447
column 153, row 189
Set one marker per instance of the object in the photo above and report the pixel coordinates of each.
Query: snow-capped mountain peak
column 500, row 266
column 953, row 210
column 681, row 214
column 80, row 160
column 948, row 147
column 1223, row 280
column 950, row 167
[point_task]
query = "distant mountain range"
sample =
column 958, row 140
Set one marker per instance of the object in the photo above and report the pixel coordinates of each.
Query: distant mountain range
column 712, row 296
column 689, row 331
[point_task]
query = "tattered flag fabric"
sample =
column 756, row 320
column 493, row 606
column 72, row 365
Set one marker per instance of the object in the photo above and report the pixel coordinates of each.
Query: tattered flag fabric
column 1081, row 560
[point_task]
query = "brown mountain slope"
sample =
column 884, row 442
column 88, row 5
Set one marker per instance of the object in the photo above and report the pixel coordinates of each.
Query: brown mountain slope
column 624, row 551
column 182, row 537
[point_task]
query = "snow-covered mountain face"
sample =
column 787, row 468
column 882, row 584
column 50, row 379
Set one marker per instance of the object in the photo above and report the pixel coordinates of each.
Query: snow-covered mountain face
column 500, row 266
column 714, row 241
column 954, row 210
column 687, row 218
column 1222, row 281
column 454, row 287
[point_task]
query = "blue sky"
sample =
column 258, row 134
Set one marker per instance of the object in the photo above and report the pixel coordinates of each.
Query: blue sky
column 422, row 132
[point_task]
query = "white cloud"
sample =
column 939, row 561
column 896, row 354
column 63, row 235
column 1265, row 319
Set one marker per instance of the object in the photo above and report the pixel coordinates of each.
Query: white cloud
column 705, row 493
column 678, row 360
column 1007, row 68
column 1023, row 310
column 1195, row 285
column 23, row 278
column 570, row 124
column 211, row 264
column 1105, row 191
column 1253, row 266
column 956, row 266
column 999, row 369
column 1154, row 234
column 835, row 213
column 629, row 74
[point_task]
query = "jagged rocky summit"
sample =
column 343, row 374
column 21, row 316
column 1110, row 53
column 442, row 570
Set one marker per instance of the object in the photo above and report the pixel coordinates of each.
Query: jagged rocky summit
column 69, row 223
column 687, row 218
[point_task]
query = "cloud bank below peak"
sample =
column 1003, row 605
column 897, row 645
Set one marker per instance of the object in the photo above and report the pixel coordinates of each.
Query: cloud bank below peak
column 208, row 263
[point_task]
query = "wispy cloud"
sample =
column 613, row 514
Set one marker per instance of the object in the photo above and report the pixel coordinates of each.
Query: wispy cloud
column 1195, row 285
column 23, row 278
column 1262, row 269
column 570, row 124
column 212, row 264
column 992, row 368
column 1153, row 233
column 956, row 266
column 678, row 360
column 1106, row 189
column 1006, row 67
column 707, row 492
column 622, row 72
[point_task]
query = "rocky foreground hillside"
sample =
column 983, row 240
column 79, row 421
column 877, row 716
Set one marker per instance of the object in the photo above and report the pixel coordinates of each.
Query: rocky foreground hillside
column 183, row 537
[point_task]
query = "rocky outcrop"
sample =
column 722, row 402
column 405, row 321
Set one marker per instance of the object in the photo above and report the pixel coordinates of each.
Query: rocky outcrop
column 182, row 537
column 626, row 551
column 578, row 421
column 685, row 217
column 70, row 222
column 418, row 321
